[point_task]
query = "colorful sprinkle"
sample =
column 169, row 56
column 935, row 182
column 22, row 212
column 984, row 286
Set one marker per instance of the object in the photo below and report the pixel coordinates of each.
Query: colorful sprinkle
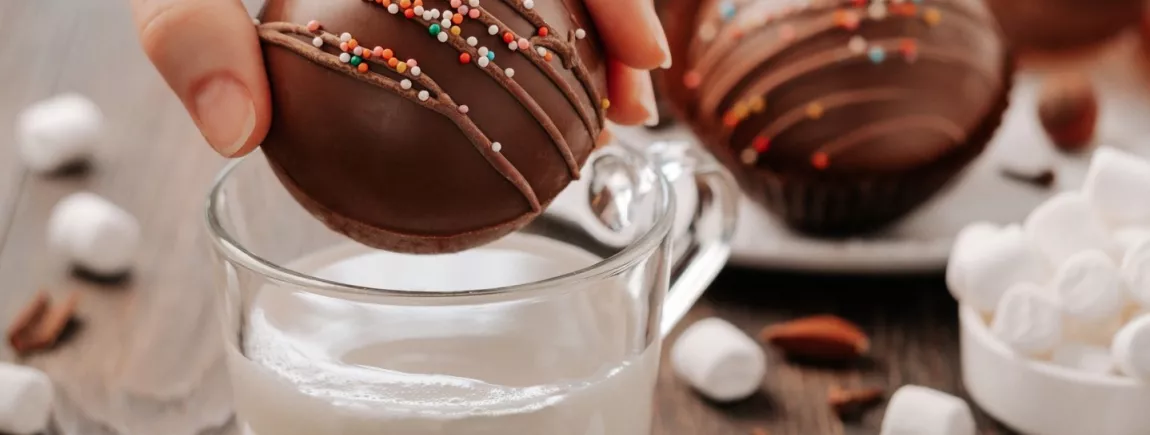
column 524, row 44
column 392, row 62
column 904, row 9
column 358, row 51
column 857, row 44
column 362, row 67
column 464, row 58
column 386, row 53
column 846, row 19
column 313, row 26
column 509, row 72
column 543, row 32
column 463, row 109
column 491, row 55
column 456, row 3
column 473, row 3
column 317, row 42
column 932, row 16
column 415, row 71
column 547, row 57
column 877, row 11
column 497, row 147
column 877, row 54
column 483, row 62
column 692, row 80
column 401, row 67
column 428, row 16
column 405, row 4
column 393, row 8
column 528, row 4
column 455, row 30
column 727, row 10
column 442, row 37
column 820, row 160
column 512, row 46
column 463, row 9
column 483, row 51
column 730, row 120
column 761, row 144
column 343, row 46
column 909, row 49
column 434, row 29
column 606, row 104
column 580, row 33
column 447, row 15
column 405, row 84
column 344, row 57
column 409, row 13
column 424, row 95
column 749, row 156
column 419, row 10
column 474, row 14
column 757, row 104
column 815, row 110
column 457, row 19
column 542, row 51
column 472, row 41
column 508, row 37
column 445, row 23
column 345, row 37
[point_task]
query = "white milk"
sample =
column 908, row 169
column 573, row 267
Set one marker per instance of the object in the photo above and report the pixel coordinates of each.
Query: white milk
column 566, row 364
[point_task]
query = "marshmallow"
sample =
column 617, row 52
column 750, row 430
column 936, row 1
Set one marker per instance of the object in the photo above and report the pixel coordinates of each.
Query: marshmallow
column 94, row 234
column 1136, row 271
column 58, row 131
column 1118, row 184
column 719, row 360
column 1129, row 237
column 995, row 264
column 1131, row 348
column 1065, row 225
column 915, row 410
column 26, row 397
column 1098, row 333
column 966, row 245
column 1083, row 357
column 1089, row 288
column 1028, row 320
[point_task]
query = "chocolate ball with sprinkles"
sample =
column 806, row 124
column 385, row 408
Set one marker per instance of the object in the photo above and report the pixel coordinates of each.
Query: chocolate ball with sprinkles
column 430, row 126
column 840, row 116
column 1054, row 26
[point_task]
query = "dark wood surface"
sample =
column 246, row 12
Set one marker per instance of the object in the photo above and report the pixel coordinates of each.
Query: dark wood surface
column 148, row 332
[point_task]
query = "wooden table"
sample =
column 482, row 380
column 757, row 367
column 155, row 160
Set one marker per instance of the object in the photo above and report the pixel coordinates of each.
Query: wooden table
column 148, row 353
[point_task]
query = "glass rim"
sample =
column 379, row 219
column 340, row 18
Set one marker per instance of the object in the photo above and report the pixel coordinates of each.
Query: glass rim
column 227, row 245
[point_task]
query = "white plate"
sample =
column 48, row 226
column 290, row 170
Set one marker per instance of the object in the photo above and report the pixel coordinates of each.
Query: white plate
column 921, row 242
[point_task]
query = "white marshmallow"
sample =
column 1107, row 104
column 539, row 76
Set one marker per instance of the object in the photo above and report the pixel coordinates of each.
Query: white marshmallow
column 1083, row 357
column 94, row 234
column 58, row 131
column 1097, row 333
column 719, row 360
column 1131, row 348
column 995, row 264
column 26, row 398
column 1136, row 271
column 1127, row 238
column 1028, row 320
column 1118, row 184
column 966, row 245
column 1090, row 288
column 915, row 410
column 1065, row 225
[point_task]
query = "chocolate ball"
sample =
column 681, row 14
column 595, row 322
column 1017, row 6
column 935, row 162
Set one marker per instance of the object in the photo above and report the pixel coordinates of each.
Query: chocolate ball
column 425, row 126
column 841, row 117
column 1068, row 110
column 1059, row 25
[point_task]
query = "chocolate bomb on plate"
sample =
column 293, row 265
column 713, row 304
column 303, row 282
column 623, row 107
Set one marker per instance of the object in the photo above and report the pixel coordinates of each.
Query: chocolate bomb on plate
column 427, row 126
column 1048, row 26
column 841, row 117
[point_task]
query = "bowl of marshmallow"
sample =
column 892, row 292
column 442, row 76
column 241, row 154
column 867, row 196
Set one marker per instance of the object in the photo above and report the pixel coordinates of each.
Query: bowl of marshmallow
column 1055, row 311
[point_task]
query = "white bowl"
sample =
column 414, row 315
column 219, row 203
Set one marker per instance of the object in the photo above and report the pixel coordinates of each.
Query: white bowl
column 1040, row 398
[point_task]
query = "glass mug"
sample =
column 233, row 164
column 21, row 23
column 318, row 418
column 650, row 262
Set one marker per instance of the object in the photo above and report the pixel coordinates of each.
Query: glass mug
column 553, row 330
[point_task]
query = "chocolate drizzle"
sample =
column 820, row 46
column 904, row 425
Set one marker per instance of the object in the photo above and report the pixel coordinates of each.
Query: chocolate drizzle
column 438, row 101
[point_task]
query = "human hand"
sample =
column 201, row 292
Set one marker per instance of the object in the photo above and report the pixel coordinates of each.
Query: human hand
column 209, row 53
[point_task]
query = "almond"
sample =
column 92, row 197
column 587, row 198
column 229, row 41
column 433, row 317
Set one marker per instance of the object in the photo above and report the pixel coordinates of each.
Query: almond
column 846, row 402
column 825, row 337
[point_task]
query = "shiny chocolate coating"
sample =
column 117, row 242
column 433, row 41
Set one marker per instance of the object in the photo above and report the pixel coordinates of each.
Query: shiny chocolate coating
column 430, row 126
column 1049, row 26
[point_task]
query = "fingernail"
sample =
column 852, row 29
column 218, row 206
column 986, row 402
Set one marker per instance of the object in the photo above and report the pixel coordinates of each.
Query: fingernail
column 225, row 114
column 652, row 18
column 647, row 100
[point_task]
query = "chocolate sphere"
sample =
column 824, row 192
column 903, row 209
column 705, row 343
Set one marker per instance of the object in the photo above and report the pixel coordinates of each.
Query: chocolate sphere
column 427, row 126
column 840, row 117
column 1058, row 25
column 1068, row 110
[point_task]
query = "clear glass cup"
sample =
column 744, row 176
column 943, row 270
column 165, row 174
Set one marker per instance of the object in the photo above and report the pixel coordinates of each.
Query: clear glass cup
column 553, row 330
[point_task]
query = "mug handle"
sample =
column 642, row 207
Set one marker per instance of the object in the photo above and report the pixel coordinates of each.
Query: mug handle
column 701, row 246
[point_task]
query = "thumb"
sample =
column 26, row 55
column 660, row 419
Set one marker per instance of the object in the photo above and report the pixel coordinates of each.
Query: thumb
column 209, row 53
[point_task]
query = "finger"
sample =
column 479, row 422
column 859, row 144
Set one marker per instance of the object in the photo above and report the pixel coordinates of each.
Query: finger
column 632, row 32
column 605, row 137
column 632, row 95
column 209, row 53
